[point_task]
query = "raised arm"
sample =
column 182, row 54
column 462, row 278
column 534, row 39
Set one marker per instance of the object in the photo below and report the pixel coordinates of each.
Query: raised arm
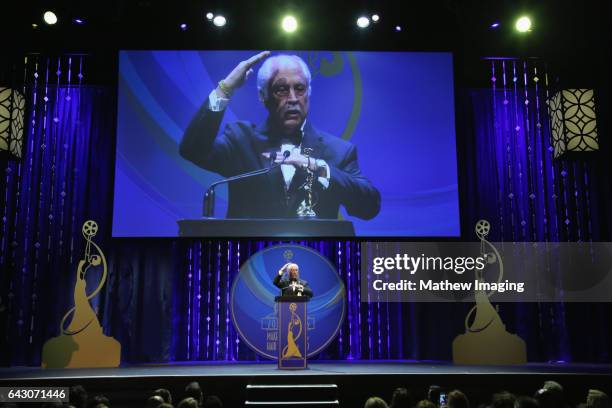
column 202, row 143
column 279, row 275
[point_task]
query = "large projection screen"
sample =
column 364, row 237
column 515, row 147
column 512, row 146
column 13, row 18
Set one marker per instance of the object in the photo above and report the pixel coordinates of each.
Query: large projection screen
column 389, row 113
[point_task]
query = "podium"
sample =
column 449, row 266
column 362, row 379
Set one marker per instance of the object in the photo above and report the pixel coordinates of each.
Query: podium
column 292, row 332
column 258, row 228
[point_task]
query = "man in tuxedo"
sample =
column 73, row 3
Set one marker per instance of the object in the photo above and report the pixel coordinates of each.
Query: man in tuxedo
column 294, row 286
column 284, row 88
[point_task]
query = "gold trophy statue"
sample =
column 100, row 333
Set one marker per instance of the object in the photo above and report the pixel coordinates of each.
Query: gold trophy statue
column 82, row 343
column 305, row 209
column 486, row 340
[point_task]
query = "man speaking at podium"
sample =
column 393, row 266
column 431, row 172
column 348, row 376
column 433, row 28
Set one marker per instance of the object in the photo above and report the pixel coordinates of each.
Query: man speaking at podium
column 284, row 88
column 294, row 286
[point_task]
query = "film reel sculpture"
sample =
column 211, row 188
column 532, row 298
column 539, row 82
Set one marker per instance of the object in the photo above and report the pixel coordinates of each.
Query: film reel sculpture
column 82, row 343
column 486, row 340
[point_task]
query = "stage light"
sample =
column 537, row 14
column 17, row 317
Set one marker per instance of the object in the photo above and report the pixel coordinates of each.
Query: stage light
column 219, row 21
column 49, row 17
column 375, row 18
column 523, row 24
column 34, row 25
column 209, row 16
column 289, row 24
column 494, row 25
column 183, row 27
column 78, row 21
column 398, row 28
column 363, row 22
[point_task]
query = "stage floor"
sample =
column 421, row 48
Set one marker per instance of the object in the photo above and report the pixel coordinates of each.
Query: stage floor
column 355, row 381
column 344, row 368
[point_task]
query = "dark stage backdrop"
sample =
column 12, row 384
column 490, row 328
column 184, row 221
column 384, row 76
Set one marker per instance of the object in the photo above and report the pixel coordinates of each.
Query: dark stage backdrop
column 167, row 299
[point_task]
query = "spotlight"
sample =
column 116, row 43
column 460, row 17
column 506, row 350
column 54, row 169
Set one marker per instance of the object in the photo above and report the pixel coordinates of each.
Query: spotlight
column 523, row 24
column 209, row 16
column 183, row 27
column 219, row 21
column 79, row 21
column 363, row 22
column 50, row 17
column 398, row 28
column 34, row 25
column 289, row 24
column 375, row 18
column 494, row 25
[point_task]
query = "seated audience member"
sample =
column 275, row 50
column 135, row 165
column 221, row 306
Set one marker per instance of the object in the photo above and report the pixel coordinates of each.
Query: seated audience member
column 97, row 400
column 164, row 393
column 375, row 402
column 425, row 404
column 551, row 395
column 401, row 399
column 503, row 399
column 597, row 399
column 166, row 405
column 188, row 402
column 101, row 406
column 526, row 402
column 77, row 396
column 154, row 401
column 213, row 401
column 457, row 399
column 194, row 391
column 553, row 386
column 433, row 394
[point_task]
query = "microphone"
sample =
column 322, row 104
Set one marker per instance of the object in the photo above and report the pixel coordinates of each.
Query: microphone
column 272, row 157
column 209, row 196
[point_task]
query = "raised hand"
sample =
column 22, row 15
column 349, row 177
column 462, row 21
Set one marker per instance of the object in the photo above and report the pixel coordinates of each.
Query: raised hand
column 282, row 269
column 240, row 74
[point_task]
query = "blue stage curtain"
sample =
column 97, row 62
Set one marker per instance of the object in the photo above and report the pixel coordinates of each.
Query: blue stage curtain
column 510, row 178
column 167, row 299
column 63, row 180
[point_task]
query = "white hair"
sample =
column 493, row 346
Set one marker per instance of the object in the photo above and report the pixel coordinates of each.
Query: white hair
column 272, row 65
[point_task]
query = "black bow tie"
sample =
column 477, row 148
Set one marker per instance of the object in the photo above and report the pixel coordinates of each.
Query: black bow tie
column 296, row 138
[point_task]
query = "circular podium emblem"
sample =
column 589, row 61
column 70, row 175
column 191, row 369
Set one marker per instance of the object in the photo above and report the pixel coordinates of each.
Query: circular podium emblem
column 254, row 311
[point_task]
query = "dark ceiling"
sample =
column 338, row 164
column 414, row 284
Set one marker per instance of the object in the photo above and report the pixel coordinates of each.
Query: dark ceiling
column 574, row 36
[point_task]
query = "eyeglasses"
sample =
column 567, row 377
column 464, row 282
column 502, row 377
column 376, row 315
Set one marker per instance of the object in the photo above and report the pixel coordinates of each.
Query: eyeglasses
column 282, row 91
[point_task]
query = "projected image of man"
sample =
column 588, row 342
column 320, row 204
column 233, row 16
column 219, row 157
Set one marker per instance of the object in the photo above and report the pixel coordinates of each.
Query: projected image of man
column 284, row 88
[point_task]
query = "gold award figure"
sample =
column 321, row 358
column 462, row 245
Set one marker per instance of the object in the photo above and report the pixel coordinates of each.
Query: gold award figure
column 82, row 343
column 291, row 349
column 305, row 209
column 486, row 340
